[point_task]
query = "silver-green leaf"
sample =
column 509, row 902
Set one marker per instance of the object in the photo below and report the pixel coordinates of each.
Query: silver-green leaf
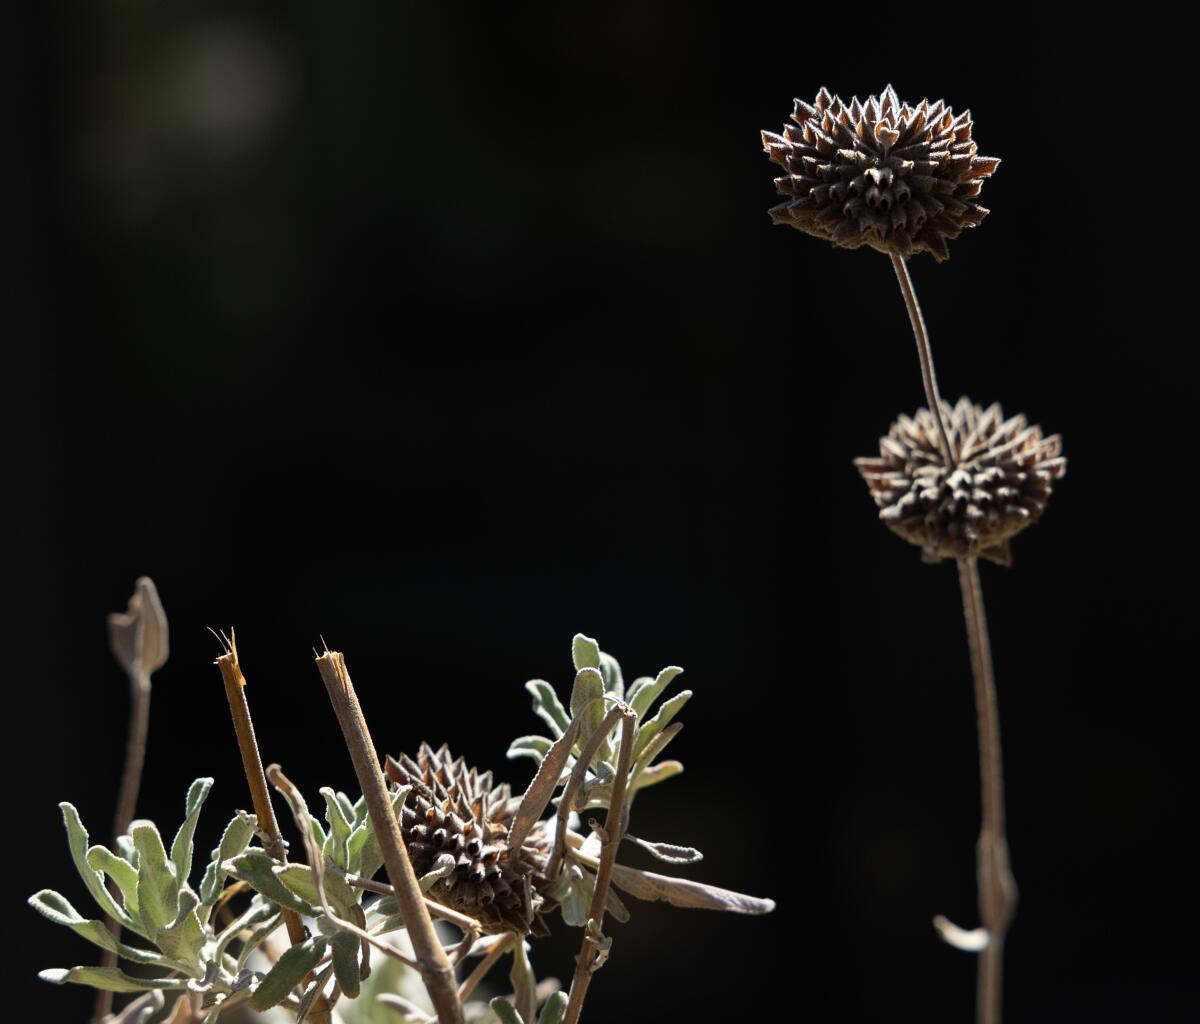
column 181, row 847
column 288, row 972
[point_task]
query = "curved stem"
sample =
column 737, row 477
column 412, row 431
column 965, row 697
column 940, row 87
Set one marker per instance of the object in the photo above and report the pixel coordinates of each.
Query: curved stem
column 997, row 889
column 932, row 397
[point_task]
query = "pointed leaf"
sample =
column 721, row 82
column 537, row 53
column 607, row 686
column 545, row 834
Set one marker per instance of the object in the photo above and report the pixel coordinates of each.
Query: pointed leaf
column 158, row 889
column 108, row 978
column 505, row 1010
column 258, row 912
column 77, row 839
column 641, row 697
column 345, row 947
column 124, row 874
column 339, row 828
column 662, row 718
column 259, row 936
column 181, row 847
column 553, row 1010
column 585, row 652
column 234, row 840
column 547, row 706
column 288, row 972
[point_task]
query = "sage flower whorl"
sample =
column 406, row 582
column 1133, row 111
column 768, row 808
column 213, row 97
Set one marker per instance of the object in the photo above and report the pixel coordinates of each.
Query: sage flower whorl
column 999, row 485
column 898, row 178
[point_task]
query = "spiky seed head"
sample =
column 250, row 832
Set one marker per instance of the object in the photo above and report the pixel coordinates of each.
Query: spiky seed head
column 455, row 810
column 999, row 483
column 899, row 178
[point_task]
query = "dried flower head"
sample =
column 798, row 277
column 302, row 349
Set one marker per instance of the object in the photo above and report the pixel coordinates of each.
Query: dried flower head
column 999, row 483
column 900, row 179
column 455, row 811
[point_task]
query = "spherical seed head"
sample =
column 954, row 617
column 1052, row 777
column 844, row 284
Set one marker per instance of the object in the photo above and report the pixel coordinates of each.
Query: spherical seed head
column 999, row 484
column 455, row 810
column 898, row 178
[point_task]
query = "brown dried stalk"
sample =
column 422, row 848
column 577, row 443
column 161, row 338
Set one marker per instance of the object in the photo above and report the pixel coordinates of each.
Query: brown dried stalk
column 243, row 726
column 996, row 886
column 616, row 820
column 139, row 641
column 435, row 968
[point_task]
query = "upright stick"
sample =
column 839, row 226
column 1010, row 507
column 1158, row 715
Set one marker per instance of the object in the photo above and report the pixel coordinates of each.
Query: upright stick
column 997, row 888
column 436, row 971
column 260, row 796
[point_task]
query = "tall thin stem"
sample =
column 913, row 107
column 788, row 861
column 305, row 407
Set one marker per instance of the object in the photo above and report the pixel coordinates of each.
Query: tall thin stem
column 436, row 971
column 615, row 823
column 997, row 889
column 928, row 376
column 260, row 796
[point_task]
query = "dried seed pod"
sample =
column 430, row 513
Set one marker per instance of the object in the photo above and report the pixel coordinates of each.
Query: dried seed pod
column 453, row 809
column 898, row 178
column 999, row 483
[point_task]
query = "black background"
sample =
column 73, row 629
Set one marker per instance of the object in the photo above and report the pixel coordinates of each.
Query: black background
column 445, row 335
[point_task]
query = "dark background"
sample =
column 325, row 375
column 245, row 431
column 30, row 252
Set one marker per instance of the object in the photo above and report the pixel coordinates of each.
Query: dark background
column 447, row 335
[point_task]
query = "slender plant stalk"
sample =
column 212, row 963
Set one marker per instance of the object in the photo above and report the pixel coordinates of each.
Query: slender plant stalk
column 928, row 376
column 131, row 782
column 997, row 889
column 435, row 967
column 615, row 822
column 243, row 726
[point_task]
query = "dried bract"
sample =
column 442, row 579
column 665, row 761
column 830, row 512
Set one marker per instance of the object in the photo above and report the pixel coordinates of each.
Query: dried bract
column 999, row 484
column 898, row 178
column 457, row 811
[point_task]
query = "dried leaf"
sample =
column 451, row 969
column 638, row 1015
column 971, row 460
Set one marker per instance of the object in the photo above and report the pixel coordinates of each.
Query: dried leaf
column 668, row 851
column 544, row 782
column 683, row 892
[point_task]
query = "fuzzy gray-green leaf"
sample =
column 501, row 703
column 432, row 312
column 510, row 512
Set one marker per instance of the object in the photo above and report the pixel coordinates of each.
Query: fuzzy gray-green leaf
column 610, row 669
column 662, row 718
column 524, row 983
column 158, row 888
column 641, row 697
column 77, row 839
column 536, row 747
column 254, row 867
column 587, row 706
column 585, row 652
column 339, row 828
column 546, row 704
column 505, row 1010
column 345, row 947
column 181, row 847
column 234, row 840
column 288, row 972
column 108, row 978
column 554, row 1008
column 370, row 859
column 183, row 940
column 124, row 874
